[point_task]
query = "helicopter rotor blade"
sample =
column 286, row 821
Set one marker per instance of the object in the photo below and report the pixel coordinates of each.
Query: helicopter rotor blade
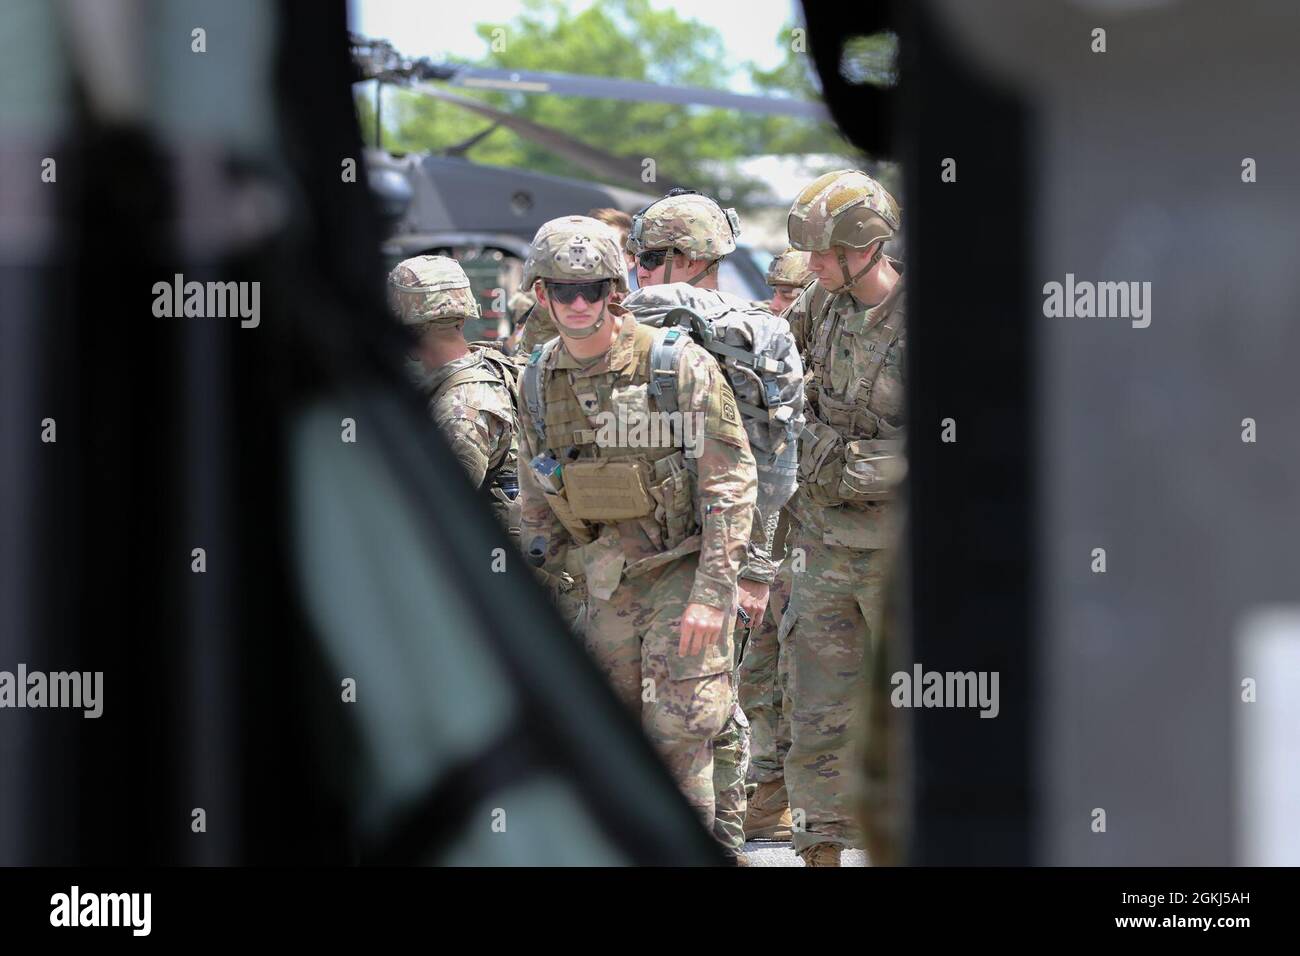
column 377, row 59
column 625, row 171
column 463, row 147
column 600, row 87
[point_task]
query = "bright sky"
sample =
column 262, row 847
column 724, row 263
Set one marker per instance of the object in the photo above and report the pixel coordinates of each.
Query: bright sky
column 418, row 28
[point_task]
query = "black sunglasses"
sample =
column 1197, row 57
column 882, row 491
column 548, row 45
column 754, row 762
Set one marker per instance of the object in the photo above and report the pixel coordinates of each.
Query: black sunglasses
column 653, row 259
column 567, row 292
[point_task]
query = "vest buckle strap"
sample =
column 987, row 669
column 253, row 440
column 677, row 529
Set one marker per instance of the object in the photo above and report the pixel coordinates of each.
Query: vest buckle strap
column 661, row 378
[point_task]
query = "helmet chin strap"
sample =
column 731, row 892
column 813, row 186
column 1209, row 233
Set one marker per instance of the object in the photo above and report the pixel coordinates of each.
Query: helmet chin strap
column 713, row 267
column 589, row 330
column 844, row 266
column 668, row 269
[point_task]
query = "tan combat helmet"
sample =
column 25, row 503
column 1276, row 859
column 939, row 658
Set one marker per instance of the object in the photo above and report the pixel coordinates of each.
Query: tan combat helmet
column 789, row 268
column 576, row 249
column 844, row 209
column 687, row 223
column 431, row 289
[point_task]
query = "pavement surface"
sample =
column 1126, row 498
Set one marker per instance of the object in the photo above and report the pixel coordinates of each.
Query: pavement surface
column 765, row 853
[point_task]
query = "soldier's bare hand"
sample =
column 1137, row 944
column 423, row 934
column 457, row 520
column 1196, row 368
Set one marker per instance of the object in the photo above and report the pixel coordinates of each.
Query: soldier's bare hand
column 701, row 626
column 753, row 599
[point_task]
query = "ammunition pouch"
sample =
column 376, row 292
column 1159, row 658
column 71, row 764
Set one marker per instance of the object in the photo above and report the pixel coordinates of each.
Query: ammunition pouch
column 607, row 490
column 820, row 463
column 669, row 519
column 873, row 469
column 850, row 418
column 674, row 498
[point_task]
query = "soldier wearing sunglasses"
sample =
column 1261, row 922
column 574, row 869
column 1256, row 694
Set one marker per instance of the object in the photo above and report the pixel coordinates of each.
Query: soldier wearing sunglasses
column 659, row 533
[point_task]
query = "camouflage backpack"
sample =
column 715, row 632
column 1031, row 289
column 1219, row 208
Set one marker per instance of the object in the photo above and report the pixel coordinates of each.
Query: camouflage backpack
column 755, row 351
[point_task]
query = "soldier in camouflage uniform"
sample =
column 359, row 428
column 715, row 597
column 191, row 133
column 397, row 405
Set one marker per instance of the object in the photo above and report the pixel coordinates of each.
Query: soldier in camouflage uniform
column 539, row 327
column 684, row 236
column 470, row 387
column 850, row 465
column 762, row 698
column 659, row 529
column 761, row 682
column 787, row 274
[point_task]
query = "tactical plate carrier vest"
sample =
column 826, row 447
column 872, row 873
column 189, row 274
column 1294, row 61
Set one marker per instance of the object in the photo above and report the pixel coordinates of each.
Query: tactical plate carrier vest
column 646, row 490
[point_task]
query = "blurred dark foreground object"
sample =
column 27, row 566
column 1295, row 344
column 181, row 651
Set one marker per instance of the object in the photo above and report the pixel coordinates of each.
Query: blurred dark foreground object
column 340, row 543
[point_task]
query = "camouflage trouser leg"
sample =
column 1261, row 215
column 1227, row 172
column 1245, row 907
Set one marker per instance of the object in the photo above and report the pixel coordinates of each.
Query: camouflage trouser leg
column 730, row 764
column 761, row 689
column 824, row 638
column 573, row 606
column 569, row 596
column 882, row 791
column 683, row 701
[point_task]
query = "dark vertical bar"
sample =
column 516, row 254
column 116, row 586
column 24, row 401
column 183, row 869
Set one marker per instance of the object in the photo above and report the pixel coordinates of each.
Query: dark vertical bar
column 971, row 347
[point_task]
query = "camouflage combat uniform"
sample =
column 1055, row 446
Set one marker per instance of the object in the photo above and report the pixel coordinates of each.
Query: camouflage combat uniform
column 791, row 268
column 761, row 680
column 657, row 536
column 694, row 226
column 850, row 466
column 767, row 336
column 471, row 399
column 762, row 690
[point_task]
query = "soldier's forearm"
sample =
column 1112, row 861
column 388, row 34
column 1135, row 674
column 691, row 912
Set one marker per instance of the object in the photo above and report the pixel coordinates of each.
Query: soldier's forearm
column 469, row 453
column 724, row 539
column 544, row 540
column 726, row 482
column 719, row 568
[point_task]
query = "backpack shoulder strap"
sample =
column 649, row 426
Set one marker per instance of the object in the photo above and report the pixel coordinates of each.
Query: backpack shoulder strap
column 704, row 331
column 665, row 355
column 817, row 298
column 506, row 367
column 880, row 340
column 480, row 371
column 762, row 364
column 532, row 388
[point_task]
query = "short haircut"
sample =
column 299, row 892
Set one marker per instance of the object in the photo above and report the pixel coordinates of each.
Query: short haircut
column 615, row 218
